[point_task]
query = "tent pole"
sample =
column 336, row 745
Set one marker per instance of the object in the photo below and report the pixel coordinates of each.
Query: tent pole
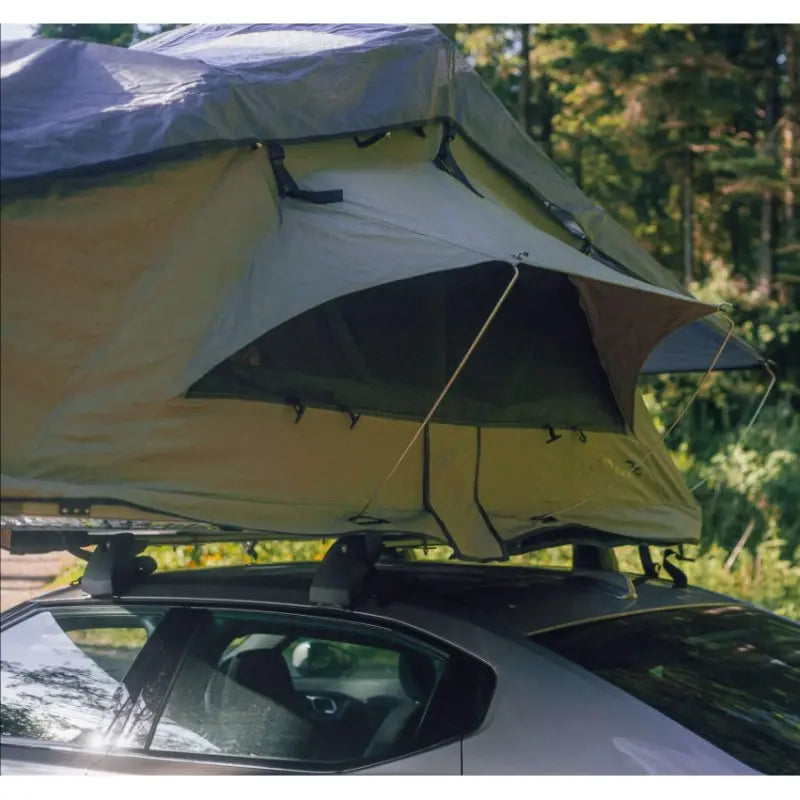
column 756, row 414
column 498, row 305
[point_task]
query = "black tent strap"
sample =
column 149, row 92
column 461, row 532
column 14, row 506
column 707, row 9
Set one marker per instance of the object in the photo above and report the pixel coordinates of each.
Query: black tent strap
column 568, row 222
column 649, row 567
column 582, row 438
column 681, row 555
column 554, row 437
column 298, row 406
column 370, row 140
column 300, row 409
column 287, row 186
column 447, row 163
column 355, row 416
column 678, row 576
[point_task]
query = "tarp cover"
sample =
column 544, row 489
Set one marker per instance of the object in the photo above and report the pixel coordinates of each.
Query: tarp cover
column 70, row 105
column 179, row 334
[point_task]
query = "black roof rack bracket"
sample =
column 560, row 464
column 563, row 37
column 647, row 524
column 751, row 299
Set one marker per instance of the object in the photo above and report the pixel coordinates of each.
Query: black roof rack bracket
column 341, row 577
column 115, row 566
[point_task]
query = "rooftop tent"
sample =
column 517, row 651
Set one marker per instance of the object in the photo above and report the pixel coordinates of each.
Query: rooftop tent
column 201, row 323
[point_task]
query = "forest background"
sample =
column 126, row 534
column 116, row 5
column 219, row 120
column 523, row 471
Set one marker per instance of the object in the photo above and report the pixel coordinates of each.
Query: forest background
column 688, row 135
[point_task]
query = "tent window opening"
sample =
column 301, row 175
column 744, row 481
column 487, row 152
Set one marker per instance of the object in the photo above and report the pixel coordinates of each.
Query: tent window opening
column 390, row 349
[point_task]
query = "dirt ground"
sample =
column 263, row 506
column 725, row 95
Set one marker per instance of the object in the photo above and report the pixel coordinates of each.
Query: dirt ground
column 23, row 577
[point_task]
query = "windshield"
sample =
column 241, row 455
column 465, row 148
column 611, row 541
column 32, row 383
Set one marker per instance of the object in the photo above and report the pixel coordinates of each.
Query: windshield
column 729, row 673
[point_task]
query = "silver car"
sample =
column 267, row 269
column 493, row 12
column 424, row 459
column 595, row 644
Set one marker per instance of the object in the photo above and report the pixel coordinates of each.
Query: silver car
column 373, row 663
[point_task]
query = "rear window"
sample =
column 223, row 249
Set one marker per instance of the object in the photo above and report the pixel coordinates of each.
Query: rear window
column 63, row 672
column 731, row 674
column 316, row 694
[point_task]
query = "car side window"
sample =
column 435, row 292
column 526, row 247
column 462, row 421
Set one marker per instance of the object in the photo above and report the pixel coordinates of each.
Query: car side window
column 62, row 672
column 303, row 693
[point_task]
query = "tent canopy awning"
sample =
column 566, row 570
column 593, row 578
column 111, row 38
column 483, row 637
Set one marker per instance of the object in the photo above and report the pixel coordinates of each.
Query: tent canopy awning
column 403, row 272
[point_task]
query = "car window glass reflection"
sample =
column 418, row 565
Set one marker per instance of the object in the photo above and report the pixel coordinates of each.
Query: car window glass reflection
column 63, row 675
column 729, row 673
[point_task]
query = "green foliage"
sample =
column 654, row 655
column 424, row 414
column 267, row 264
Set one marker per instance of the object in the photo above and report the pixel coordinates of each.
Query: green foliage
column 217, row 554
column 117, row 34
column 225, row 555
column 120, row 35
column 626, row 109
column 760, row 576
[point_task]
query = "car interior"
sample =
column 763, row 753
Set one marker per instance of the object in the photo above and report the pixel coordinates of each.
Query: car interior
column 246, row 690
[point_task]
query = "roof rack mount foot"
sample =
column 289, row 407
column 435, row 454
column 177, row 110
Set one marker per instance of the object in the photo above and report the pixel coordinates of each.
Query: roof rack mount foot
column 341, row 576
column 115, row 566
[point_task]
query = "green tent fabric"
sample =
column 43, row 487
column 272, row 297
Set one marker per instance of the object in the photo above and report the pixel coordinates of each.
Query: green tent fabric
column 252, row 336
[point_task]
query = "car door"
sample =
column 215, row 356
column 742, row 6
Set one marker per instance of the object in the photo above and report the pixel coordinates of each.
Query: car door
column 74, row 675
column 276, row 692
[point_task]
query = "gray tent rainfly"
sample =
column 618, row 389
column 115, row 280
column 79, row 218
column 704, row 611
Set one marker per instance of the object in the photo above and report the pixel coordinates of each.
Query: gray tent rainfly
column 258, row 253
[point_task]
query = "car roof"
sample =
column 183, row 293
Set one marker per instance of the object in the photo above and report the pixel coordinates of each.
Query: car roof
column 527, row 599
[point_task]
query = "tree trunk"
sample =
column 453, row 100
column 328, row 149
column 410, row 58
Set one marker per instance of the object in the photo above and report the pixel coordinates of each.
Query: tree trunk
column 578, row 163
column 687, row 221
column 733, row 225
column 739, row 545
column 766, row 250
column 546, row 105
column 524, row 96
column 789, row 134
